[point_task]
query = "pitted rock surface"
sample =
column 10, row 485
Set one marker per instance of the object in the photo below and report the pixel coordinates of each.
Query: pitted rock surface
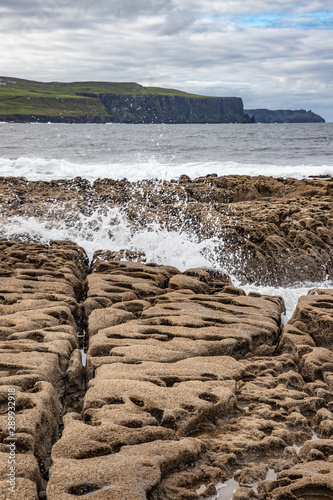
column 164, row 368
column 40, row 290
column 190, row 382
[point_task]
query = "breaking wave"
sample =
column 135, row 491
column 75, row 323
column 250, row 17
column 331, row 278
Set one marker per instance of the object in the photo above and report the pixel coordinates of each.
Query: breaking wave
column 35, row 169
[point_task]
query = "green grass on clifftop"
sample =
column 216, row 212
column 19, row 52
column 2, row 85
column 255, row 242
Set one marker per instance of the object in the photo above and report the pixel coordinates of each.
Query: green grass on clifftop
column 28, row 97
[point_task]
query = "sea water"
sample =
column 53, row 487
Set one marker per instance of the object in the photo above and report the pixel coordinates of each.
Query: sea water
column 161, row 152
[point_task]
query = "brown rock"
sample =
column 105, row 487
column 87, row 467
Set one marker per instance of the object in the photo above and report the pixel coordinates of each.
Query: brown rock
column 180, row 281
column 130, row 474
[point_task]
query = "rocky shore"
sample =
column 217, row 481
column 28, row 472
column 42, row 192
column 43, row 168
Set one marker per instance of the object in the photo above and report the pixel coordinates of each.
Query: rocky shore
column 190, row 388
column 267, row 231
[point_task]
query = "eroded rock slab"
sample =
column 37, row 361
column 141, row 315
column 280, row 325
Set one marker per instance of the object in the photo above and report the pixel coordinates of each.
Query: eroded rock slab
column 167, row 352
column 191, row 382
column 40, row 363
column 267, row 230
column 130, row 474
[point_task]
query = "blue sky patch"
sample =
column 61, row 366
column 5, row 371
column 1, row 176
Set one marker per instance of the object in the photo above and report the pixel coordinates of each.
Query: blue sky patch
column 319, row 19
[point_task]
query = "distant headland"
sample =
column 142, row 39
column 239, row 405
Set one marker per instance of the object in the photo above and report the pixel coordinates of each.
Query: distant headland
column 114, row 102
column 284, row 116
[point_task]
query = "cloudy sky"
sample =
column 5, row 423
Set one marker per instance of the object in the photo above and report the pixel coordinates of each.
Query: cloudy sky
column 274, row 54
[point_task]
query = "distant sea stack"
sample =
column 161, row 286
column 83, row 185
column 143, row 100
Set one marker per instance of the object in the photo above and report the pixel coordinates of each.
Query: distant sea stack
column 284, row 116
column 105, row 102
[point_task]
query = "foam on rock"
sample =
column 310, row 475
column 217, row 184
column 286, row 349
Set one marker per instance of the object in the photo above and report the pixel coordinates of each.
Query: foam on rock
column 262, row 230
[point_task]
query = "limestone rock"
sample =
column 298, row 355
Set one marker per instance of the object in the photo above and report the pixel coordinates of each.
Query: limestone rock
column 39, row 358
column 189, row 379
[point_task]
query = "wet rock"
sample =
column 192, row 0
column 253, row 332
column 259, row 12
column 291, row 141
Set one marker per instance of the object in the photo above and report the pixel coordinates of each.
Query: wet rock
column 106, row 317
column 131, row 474
column 181, row 325
column 210, row 490
column 24, row 488
column 182, row 407
column 180, row 281
column 305, row 479
column 251, row 473
column 189, row 379
column 244, row 493
column 314, row 315
column 166, row 371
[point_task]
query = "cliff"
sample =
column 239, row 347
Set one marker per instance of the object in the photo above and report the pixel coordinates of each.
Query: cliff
column 102, row 102
column 284, row 116
column 173, row 109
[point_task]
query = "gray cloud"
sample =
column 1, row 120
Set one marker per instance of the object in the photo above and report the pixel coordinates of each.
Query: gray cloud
column 123, row 8
column 177, row 21
column 188, row 44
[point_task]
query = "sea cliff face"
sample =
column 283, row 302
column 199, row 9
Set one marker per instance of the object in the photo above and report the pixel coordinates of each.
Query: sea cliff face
column 105, row 102
column 174, row 109
column 123, row 108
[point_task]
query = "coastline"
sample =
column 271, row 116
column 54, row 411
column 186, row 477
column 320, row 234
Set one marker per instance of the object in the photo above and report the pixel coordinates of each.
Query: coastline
column 180, row 367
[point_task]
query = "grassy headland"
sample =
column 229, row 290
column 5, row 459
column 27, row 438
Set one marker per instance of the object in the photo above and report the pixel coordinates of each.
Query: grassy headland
column 28, row 97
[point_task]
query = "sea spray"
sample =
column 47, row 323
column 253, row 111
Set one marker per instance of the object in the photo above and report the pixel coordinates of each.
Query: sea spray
column 290, row 293
column 110, row 230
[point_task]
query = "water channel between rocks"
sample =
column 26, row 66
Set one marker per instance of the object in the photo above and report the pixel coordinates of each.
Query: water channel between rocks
column 226, row 489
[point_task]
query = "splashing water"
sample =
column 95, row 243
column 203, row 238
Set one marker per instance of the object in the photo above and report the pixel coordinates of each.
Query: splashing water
column 148, row 167
column 290, row 294
column 109, row 229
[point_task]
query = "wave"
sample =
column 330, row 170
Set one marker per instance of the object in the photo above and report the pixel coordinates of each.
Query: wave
column 35, row 169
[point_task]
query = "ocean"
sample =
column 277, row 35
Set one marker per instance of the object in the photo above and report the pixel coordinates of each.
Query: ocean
column 62, row 151
column 162, row 152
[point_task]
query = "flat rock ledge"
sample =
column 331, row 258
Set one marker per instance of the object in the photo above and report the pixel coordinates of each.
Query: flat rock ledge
column 190, row 386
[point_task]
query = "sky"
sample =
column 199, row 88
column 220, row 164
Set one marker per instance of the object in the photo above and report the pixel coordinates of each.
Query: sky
column 274, row 54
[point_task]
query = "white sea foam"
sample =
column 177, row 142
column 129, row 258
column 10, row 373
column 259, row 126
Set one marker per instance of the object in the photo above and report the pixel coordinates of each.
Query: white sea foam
column 150, row 168
column 162, row 152
column 111, row 231
column 290, row 293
